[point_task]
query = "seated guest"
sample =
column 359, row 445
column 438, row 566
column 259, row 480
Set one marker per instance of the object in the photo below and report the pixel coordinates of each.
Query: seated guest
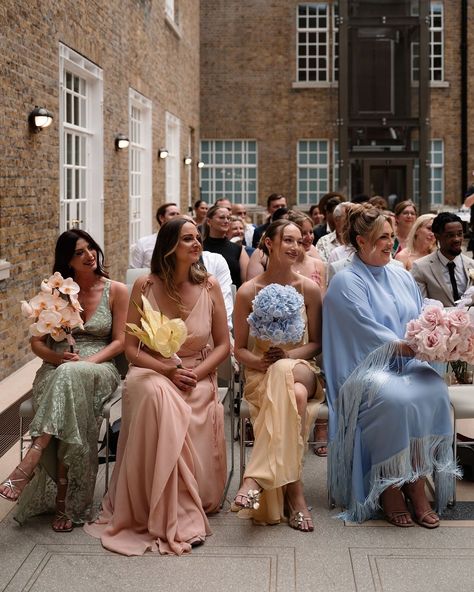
column 405, row 216
column 236, row 233
column 389, row 413
column 59, row 470
column 329, row 242
column 215, row 240
column 327, row 224
column 421, row 241
column 200, row 210
column 274, row 201
column 143, row 249
column 444, row 275
column 315, row 214
column 240, row 210
column 223, row 202
column 279, row 380
column 171, row 465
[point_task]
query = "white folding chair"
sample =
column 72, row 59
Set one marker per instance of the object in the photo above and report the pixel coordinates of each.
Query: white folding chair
column 461, row 397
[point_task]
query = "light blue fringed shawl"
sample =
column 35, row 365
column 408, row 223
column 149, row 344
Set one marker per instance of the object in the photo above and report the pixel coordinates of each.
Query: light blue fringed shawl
column 389, row 415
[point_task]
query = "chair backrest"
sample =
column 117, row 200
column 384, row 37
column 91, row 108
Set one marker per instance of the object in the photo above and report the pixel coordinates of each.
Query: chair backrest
column 133, row 274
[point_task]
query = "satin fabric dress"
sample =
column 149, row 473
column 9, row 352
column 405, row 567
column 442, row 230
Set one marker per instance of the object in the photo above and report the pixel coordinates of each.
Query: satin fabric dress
column 171, row 462
column 277, row 454
column 68, row 400
column 389, row 416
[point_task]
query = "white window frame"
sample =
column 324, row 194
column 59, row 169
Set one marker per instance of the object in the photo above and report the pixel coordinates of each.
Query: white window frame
column 322, row 74
column 93, row 144
column 224, row 161
column 140, row 166
column 434, row 167
column 173, row 161
column 312, row 172
column 415, row 49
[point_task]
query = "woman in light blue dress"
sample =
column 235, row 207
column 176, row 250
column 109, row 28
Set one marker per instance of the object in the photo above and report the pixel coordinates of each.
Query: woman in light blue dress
column 389, row 421
column 59, row 470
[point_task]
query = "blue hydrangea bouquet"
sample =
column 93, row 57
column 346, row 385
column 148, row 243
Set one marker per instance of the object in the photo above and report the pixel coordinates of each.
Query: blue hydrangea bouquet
column 276, row 315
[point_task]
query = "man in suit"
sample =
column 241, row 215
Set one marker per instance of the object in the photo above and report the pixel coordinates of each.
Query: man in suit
column 274, row 202
column 445, row 274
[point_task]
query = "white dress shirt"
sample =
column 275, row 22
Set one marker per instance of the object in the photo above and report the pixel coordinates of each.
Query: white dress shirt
column 142, row 251
column 217, row 266
column 459, row 272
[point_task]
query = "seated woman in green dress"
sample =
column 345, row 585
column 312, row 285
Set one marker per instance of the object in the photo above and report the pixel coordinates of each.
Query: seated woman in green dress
column 59, row 470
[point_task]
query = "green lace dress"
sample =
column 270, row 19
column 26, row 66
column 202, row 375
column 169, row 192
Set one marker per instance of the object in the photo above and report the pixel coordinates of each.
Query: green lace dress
column 68, row 401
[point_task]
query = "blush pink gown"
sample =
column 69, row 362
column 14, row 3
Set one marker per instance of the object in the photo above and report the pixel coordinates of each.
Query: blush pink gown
column 171, row 467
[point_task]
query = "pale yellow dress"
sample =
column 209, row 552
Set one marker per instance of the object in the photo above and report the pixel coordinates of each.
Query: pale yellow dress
column 277, row 453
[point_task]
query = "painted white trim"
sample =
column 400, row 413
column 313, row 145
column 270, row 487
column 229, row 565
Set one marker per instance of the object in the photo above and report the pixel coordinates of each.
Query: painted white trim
column 173, row 161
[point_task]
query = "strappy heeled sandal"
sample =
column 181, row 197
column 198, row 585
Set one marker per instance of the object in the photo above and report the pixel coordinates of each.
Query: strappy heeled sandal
column 297, row 520
column 249, row 500
column 422, row 522
column 11, row 484
column 61, row 514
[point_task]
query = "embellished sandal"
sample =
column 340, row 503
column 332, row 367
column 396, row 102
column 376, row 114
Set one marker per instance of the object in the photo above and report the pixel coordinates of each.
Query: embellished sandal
column 297, row 520
column 249, row 500
column 11, row 484
column 61, row 517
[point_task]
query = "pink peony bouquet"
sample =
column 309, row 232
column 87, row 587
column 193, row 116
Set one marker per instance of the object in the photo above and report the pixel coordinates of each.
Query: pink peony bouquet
column 55, row 310
column 442, row 334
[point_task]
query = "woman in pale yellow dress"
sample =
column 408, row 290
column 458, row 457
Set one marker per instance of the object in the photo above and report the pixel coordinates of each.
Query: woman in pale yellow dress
column 279, row 382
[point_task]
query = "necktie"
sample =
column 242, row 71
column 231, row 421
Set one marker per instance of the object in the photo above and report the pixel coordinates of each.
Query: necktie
column 451, row 265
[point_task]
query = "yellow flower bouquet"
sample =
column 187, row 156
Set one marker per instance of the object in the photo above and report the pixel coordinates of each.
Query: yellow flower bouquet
column 157, row 332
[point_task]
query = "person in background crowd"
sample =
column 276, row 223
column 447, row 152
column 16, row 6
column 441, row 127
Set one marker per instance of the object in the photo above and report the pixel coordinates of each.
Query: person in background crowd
column 200, row 211
column 445, row 274
column 315, row 214
column 274, row 201
column 405, row 216
column 171, row 461
column 327, row 225
column 70, row 388
column 215, row 240
column 420, row 242
column 249, row 228
column 143, row 249
column 335, row 211
column 469, row 203
column 223, row 202
column 379, row 202
column 389, row 413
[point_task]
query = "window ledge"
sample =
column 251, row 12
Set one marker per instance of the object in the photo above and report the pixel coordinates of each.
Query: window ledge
column 5, row 267
column 434, row 84
column 314, row 84
column 173, row 26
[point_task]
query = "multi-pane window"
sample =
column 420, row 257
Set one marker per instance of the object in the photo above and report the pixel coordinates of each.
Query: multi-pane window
column 436, row 174
column 313, row 42
column 140, row 166
column 81, row 144
column 173, row 161
column 436, row 45
column 317, row 43
column 335, row 165
column 313, row 171
column 230, row 171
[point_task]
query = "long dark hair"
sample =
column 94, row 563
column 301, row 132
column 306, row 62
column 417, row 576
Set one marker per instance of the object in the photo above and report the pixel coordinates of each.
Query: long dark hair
column 65, row 248
column 163, row 260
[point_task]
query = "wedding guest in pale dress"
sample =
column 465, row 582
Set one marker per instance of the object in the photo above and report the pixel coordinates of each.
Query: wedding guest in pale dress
column 171, row 465
column 389, row 414
column 405, row 216
column 279, row 380
column 421, row 241
column 69, row 391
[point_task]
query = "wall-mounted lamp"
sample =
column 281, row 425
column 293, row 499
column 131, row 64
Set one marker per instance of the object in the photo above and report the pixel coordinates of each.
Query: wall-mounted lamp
column 199, row 164
column 121, row 142
column 39, row 118
column 187, row 160
column 163, row 153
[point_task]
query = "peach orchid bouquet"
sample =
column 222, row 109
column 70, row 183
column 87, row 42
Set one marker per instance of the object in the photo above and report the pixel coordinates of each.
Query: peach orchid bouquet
column 157, row 332
column 55, row 310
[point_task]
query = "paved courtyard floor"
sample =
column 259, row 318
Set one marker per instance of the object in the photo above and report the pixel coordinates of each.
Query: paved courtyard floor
column 241, row 557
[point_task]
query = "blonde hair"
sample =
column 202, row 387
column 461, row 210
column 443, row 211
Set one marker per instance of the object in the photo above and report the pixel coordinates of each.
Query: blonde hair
column 419, row 222
column 364, row 220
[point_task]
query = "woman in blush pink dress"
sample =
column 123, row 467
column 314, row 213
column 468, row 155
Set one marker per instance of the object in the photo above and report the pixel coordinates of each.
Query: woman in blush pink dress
column 171, row 467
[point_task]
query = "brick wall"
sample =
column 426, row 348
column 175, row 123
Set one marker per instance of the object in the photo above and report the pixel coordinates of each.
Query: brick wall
column 135, row 47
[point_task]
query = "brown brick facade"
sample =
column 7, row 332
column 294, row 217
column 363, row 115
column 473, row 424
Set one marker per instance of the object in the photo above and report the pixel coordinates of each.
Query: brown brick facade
column 133, row 44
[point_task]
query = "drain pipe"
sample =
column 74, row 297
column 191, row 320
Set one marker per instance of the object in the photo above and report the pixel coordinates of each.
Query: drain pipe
column 464, row 113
